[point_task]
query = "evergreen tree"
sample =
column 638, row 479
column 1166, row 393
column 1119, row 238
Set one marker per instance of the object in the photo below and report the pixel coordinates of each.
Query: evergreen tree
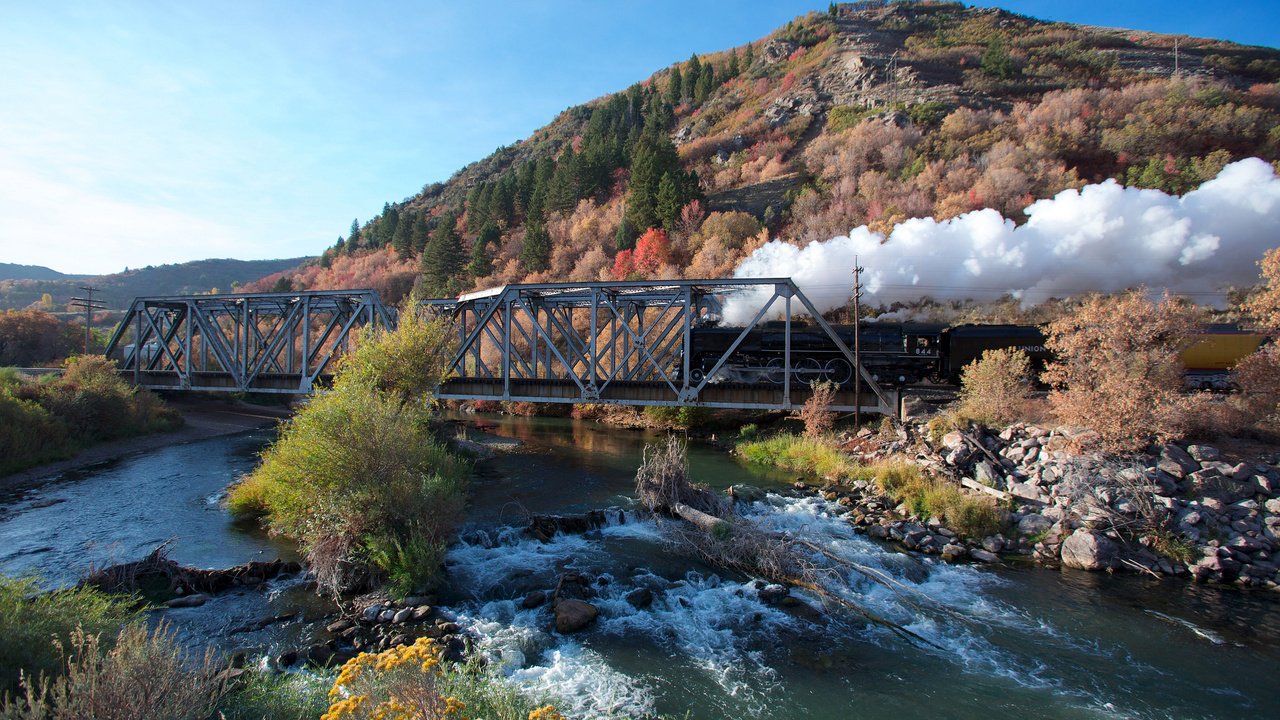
column 692, row 76
column 481, row 264
column 706, row 84
column 624, row 238
column 339, row 246
column 353, row 237
column 748, row 58
column 442, row 258
column 667, row 202
column 419, row 234
column 387, row 225
column 731, row 71
column 675, row 89
column 537, row 247
column 562, row 190
column 402, row 236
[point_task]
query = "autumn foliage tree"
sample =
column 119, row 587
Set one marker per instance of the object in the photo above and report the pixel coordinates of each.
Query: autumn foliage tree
column 1265, row 305
column 1118, row 369
column 993, row 387
column 653, row 250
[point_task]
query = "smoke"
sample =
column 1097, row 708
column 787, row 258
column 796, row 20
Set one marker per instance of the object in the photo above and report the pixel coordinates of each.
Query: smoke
column 1103, row 238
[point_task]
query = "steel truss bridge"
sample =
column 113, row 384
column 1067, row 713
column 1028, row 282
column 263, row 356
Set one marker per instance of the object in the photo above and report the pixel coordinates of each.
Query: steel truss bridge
column 625, row 343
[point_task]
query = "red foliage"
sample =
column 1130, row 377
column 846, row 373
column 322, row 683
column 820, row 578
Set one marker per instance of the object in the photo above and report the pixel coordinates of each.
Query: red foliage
column 788, row 81
column 797, row 53
column 653, row 250
column 624, row 264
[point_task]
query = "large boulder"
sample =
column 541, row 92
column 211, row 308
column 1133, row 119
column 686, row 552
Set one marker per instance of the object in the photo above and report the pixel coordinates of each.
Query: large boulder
column 1085, row 550
column 574, row 615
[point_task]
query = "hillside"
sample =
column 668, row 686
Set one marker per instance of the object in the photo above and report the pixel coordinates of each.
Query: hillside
column 118, row 290
column 869, row 114
column 11, row 271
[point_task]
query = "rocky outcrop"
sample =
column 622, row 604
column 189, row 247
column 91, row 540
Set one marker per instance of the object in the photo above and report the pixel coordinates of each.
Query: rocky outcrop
column 1087, row 550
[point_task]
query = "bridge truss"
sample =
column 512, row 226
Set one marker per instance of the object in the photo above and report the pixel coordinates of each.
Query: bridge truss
column 631, row 343
column 266, row 342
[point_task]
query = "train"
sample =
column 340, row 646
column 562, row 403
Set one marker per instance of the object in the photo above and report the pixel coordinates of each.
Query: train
column 904, row 354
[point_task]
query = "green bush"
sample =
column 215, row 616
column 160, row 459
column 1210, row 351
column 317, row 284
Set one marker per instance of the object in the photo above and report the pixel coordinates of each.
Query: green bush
column 42, row 421
column 930, row 497
column 358, row 477
column 31, row 620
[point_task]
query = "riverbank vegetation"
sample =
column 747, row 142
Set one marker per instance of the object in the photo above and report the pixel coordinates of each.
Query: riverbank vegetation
column 51, row 418
column 358, row 477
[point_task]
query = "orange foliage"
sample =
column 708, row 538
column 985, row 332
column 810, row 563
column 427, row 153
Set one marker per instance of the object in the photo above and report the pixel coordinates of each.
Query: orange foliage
column 381, row 270
column 624, row 265
column 653, row 250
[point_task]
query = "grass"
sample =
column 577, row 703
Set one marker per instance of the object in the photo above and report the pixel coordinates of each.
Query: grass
column 1174, row 547
column 287, row 696
column 811, row 456
column 31, row 620
column 927, row 497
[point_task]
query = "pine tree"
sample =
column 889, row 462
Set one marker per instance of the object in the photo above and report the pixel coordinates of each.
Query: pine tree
column 481, row 264
column 537, row 247
column 731, row 71
column 748, row 58
column 353, row 237
column 668, row 201
column 442, row 258
column 692, row 76
column 706, row 84
column 402, row 236
column 675, row 90
column 420, row 233
column 562, row 190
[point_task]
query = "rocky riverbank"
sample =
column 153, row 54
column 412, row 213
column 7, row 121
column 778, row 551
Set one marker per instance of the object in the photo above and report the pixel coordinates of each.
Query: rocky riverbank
column 1180, row 510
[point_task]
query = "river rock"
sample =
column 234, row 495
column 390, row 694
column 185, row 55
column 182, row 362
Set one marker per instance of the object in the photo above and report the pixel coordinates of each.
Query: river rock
column 1203, row 453
column 534, row 599
column 984, row 556
column 339, row 626
column 746, row 493
column 421, row 613
column 402, row 615
column 574, row 615
column 1180, row 458
column 371, row 613
column 195, row 600
column 772, row 593
column 1085, row 550
column 640, row 598
column 952, row 552
column 1034, row 524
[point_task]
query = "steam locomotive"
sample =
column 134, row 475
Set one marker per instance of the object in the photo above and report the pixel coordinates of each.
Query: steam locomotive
column 898, row 354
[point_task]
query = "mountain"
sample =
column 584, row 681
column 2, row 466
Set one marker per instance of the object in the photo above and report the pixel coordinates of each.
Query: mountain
column 869, row 114
column 118, row 290
column 10, row 271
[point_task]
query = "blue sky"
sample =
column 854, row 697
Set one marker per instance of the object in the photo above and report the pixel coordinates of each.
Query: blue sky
column 137, row 133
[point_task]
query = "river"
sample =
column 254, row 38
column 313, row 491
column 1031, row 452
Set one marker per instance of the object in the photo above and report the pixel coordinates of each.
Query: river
column 1001, row 642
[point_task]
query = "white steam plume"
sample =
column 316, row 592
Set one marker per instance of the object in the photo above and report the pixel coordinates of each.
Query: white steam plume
column 1103, row 238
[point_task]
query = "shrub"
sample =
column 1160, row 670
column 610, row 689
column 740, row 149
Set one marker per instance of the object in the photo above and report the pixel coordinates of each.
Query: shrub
column 817, row 416
column 146, row 674
column 993, row 387
column 1118, row 369
column 33, row 622
column 357, row 476
column 411, row 681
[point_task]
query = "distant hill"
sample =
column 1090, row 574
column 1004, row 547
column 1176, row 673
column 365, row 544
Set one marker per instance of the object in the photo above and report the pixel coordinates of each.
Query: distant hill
column 119, row 289
column 11, row 271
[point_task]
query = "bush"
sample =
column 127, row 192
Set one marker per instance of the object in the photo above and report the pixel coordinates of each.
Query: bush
column 33, row 622
column 685, row 418
column 412, row 682
column 357, row 477
column 817, row 416
column 1118, row 369
column 146, row 674
column 45, row 421
column 993, row 387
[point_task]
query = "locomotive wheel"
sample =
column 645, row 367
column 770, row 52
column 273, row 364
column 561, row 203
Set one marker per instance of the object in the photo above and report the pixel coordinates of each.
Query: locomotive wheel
column 839, row 371
column 809, row 371
column 773, row 372
column 696, row 375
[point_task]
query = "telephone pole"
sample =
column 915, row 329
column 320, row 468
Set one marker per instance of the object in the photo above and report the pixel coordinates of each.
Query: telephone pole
column 89, row 306
column 857, row 344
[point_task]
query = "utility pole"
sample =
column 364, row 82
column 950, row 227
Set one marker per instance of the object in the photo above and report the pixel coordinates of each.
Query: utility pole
column 857, row 345
column 89, row 306
column 1175, row 58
